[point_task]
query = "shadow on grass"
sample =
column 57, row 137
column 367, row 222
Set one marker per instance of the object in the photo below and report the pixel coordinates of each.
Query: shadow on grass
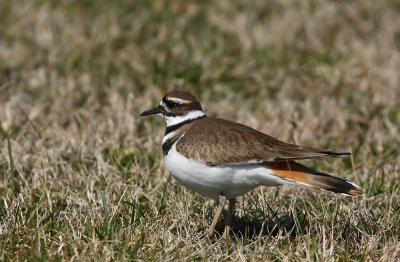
column 254, row 224
column 249, row 227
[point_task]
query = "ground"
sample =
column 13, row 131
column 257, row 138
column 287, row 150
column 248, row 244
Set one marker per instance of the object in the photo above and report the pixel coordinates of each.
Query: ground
column 82, row 175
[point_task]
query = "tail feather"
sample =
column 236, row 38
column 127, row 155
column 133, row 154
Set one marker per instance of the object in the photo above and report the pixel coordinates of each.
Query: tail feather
column 300, row 174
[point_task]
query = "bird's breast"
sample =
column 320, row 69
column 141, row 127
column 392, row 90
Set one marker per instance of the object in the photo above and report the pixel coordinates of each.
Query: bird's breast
column 212, row 181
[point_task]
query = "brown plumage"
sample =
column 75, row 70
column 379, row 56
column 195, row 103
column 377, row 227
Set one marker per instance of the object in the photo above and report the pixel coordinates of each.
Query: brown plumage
column 221, row 142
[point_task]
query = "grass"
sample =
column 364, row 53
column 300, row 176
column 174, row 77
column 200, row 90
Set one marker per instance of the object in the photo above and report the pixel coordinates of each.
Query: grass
column 82, row 177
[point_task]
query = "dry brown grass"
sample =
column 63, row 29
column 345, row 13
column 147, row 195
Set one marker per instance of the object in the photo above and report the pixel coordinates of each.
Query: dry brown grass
column 82, row 175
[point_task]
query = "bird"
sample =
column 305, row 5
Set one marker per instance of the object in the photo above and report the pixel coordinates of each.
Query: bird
column 223, row 160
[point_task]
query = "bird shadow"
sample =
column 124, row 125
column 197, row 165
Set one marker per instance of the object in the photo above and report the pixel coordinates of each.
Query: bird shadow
column 257, row 222
column 250, row 226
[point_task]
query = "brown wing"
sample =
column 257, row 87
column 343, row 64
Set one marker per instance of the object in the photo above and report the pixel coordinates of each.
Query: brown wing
column 221, row 142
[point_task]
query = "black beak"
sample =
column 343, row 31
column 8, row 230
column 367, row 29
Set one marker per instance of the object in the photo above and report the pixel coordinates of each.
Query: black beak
column 152, row 111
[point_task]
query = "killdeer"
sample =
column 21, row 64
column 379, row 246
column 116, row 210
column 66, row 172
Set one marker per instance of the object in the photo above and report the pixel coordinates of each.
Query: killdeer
column 223, row 160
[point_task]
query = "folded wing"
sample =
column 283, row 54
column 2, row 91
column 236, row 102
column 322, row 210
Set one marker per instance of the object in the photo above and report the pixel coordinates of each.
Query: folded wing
column 222, row 142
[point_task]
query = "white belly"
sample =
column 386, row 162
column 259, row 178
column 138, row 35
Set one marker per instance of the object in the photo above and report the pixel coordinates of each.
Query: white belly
column 211, row 181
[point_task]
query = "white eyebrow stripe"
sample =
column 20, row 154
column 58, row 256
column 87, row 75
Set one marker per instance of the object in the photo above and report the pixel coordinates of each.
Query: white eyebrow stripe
column 178, row 100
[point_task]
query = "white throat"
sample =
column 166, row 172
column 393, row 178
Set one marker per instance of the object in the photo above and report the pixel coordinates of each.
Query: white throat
column 174, row 120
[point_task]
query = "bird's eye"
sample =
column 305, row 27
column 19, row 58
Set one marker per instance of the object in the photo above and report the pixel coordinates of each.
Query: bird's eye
column 170, row 104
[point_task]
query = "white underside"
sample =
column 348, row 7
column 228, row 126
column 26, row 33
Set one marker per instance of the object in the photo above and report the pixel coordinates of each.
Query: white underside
column 212, row 181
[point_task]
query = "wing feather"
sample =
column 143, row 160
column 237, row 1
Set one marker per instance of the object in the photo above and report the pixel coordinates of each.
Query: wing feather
column 222, row 142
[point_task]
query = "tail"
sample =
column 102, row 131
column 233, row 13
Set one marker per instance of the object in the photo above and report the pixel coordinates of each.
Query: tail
column 303, row 175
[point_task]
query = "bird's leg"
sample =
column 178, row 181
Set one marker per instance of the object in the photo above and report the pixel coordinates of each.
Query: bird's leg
column 222, row 201
column 231, row 210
